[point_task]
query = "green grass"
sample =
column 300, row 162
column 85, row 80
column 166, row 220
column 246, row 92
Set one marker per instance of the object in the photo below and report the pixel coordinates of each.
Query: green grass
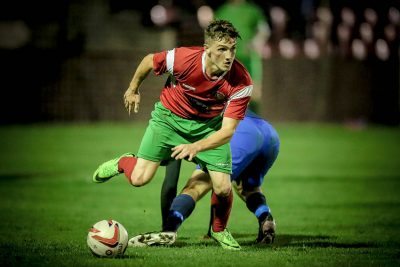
column 334, row 192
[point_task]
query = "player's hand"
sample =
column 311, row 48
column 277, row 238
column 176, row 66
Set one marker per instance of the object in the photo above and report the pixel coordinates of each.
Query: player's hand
column 185, row 151
column 132, row 101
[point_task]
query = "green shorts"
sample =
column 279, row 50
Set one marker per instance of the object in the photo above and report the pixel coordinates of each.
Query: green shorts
column 167, row 130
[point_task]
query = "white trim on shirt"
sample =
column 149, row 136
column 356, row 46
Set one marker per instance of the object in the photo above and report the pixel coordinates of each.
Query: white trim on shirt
column 170, row 61
column 245, row 92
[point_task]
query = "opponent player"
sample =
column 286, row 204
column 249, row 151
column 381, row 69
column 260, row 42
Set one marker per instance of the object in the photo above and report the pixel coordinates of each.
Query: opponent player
column 202, row 102
column 255, row 147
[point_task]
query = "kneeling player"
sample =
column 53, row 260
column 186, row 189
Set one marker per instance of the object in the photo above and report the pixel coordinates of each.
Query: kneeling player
column 254, row 146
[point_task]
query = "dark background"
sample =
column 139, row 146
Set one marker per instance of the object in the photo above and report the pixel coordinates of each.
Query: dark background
column 65, row 61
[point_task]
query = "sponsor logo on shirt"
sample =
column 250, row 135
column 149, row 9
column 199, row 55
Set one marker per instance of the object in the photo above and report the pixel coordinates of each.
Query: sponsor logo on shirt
column 219, row 96
column 199, row 105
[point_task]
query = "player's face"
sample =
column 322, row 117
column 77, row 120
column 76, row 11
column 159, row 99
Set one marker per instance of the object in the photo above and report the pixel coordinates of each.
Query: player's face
column 221, row 54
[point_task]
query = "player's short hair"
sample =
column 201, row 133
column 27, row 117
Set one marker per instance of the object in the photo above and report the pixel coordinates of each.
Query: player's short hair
column 219, row 30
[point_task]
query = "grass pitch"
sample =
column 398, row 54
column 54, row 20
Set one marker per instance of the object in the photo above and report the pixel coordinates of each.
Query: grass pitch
column 335, row 194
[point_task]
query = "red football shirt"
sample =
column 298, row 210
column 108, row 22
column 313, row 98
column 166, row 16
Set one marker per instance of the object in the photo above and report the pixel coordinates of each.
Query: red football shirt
column 189, row 93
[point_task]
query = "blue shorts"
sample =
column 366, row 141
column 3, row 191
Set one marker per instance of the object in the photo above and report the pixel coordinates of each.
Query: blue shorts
column 255, row 147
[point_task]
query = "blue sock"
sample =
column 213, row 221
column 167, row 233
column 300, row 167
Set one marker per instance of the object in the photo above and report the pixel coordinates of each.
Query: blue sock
column 257, row 204
column 181, row 208
column 262, row 212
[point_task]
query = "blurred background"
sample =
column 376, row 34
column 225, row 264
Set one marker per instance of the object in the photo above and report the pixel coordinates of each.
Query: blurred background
column 70, row 60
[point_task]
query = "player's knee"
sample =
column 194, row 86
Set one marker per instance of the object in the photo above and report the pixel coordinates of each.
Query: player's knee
column 223, row 191
column 238, row 187
column 136, row 182
column 189, row 190
column 246, row 192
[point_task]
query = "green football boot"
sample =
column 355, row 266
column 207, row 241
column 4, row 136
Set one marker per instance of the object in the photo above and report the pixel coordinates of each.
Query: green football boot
column 225, row 239
column 108, row 169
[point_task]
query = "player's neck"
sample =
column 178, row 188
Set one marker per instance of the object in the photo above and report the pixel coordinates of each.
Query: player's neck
column 212, row 72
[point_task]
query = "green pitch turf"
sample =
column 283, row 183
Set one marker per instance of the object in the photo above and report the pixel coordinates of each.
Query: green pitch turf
column 335, row 194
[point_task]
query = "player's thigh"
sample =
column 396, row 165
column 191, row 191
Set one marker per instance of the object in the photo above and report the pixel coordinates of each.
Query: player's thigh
column 253, row 175
column 218, row 159
column 198, row 185
column 159, row 137
column 221, row 182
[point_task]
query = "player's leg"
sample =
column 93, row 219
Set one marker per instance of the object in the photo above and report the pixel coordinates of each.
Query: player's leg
column 254, row 198
column 138, row 171
column 251, row 179
column 249, row 190
column 169, row 188
column 154, row 147
column 183, row 205
column 181, row 208
column 221, row 200
column 143, row 172
column 110, row 168
column 221, row 205
column 256, row 203
column 218, row 162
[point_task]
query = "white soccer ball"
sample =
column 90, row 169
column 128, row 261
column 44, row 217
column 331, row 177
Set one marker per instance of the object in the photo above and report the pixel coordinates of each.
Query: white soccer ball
column 107, row 238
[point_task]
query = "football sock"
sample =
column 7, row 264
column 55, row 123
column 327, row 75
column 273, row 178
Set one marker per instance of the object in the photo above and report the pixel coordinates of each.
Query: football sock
column 181, row 208
column 257, row 204
column 126, row 165
column 221, row 209
column 169, row 188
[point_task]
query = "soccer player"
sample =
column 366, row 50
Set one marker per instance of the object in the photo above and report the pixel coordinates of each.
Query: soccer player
column 202, row 102
column 255, row 147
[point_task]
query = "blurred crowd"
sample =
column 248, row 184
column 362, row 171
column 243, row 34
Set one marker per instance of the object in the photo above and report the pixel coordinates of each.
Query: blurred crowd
column 313, row 28
column 348, row 49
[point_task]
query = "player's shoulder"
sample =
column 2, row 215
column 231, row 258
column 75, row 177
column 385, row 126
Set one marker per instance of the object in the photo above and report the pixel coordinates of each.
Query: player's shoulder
column 187, row 58
column 239, row 74
column 184, row 51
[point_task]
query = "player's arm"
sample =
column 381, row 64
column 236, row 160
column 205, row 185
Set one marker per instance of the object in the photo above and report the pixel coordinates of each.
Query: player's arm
column 132, row 95
column 219, row 138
